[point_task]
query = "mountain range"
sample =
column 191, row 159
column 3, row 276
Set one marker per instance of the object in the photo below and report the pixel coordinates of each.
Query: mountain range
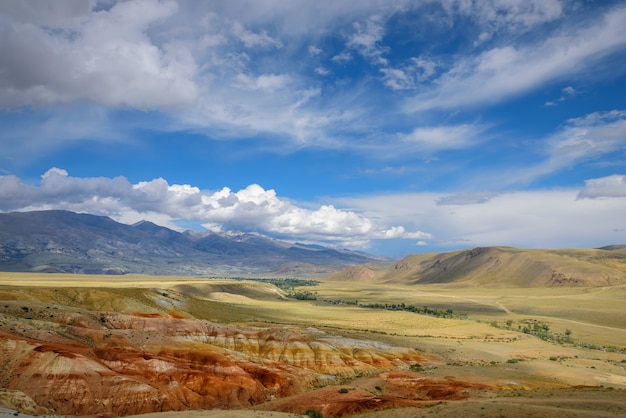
column 63, row 241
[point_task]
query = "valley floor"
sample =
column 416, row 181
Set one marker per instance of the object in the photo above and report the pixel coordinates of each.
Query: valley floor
column 352, row 349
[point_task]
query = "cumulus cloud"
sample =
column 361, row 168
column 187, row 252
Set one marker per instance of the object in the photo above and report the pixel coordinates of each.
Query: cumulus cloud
column 104, row 57
column 400, row 232
column 610, row 186
column 252, row 209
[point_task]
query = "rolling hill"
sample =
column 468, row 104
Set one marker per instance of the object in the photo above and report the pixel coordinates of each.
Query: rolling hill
column 62, row 241
column 502, row 267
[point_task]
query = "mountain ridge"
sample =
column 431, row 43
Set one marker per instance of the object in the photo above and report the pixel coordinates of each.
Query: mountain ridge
column 501, row 267
column 64, row 241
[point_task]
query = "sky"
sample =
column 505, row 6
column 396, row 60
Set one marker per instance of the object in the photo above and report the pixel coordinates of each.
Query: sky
column 392, row 127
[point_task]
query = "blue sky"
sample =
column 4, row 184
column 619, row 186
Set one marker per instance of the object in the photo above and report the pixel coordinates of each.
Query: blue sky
column 393, row 127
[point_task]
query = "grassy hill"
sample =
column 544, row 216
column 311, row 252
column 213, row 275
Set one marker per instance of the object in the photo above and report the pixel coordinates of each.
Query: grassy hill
column 503, row 267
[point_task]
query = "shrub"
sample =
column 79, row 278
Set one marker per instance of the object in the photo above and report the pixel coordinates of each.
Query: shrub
column 416, row 367
column 312, row 413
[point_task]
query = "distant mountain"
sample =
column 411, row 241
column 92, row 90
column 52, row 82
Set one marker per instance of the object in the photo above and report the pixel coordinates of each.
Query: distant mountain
column 62, row 241
column 502, row 267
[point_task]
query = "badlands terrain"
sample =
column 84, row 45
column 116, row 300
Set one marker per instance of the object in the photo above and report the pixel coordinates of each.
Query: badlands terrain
column 484, row 332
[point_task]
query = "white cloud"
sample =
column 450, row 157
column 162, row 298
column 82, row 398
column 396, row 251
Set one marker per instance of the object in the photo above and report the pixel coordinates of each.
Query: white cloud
column 582, row 139
column 66, row 13
column 264, row 82
column 529, row 219
column 14, row 194
column 210, row 66
column 610, row 186
column 322, row 71
column 104, row 57
column 417, row 71
column 54, row 171
column 400, row 232
column 366, row 40
column 436, row 138
column 567, row 92
column 314, row 50
column 504, row 71
column 466, row 198
column 251, row 39
column 397, row 79
column 252, row 209
column 342, row 57
column 299, row 18
column 510, row 14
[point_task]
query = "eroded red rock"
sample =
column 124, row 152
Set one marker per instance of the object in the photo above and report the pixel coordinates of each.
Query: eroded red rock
column 122, row 364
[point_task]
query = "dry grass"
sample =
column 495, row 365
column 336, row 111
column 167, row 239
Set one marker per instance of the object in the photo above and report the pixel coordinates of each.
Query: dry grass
column 571, row 404
column 217, row 414
column 468, row 349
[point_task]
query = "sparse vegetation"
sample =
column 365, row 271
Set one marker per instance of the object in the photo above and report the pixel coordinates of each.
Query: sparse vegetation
column 312, row 413
column 302, row 295
column 286, row 284
column 416, row 367
column 424, row 310
column 290, row 285
column 542, row 331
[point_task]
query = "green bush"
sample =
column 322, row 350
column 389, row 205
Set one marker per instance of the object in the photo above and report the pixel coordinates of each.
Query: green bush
column 312, row 413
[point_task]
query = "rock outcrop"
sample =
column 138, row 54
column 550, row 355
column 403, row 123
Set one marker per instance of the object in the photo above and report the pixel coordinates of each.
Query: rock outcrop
column 79, row 362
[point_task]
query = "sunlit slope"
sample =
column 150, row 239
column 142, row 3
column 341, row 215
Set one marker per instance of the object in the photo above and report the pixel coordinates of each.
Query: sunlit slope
column 505, row 267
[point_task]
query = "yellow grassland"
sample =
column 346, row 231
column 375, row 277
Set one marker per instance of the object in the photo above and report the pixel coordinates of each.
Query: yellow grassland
column 470, row 348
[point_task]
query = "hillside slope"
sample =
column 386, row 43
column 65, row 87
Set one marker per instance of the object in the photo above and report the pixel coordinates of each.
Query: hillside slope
column 111, row 352
column 503, row 267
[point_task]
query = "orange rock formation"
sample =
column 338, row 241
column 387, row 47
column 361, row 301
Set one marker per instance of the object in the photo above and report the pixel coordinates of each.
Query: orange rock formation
column 81, row 362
